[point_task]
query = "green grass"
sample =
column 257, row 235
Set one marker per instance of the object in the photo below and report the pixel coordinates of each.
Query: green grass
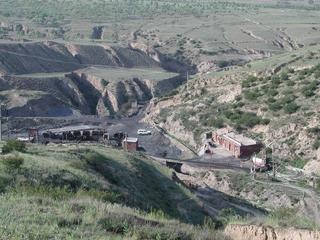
column 94, row 192
column 298, row 162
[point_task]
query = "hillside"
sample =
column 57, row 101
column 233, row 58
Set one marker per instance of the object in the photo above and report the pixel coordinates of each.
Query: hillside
column 50, row 79
column 208, row 35
column 80, row 81
column 275, row 101
column 94, row 192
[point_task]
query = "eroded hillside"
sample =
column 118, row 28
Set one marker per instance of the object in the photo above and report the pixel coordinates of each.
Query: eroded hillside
column 275, row 101
column 54, row 79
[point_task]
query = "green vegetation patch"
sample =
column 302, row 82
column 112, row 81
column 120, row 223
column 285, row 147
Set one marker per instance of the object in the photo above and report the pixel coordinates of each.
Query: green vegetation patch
column 73, row 192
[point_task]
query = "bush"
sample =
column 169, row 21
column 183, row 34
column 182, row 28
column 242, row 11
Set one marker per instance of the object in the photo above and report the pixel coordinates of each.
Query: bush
column 251, row 95
column 275, row 81
column 228, row 214
column 291, row 108
column 104, row 82
column 276, row 106
column 284, row 76
column 316, row 144
column 265, row 121
column 290, row 83
column 249, row 81
column 314, row 130
column 12, row 163
column 298, row 163
column 308, row 91
column 246, row 119
column 272, row 92
column 13, row 145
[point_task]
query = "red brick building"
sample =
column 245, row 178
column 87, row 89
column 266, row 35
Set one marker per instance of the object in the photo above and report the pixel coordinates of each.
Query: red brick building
column 239, row 145
column 130, row 144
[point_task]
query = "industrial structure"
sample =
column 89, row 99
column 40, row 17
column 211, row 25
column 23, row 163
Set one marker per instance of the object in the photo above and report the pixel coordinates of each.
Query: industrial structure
column 239, row 145
column 76, row 133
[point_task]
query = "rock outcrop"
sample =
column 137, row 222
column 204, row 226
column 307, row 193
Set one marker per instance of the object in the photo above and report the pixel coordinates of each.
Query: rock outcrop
column 254, row 232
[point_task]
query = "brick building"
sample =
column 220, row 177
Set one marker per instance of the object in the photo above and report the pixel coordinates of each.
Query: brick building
column 130, row 144
column 239, row 145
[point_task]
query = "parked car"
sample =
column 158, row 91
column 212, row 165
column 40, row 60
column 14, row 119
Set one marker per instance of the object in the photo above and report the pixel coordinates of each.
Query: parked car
column 144, row 132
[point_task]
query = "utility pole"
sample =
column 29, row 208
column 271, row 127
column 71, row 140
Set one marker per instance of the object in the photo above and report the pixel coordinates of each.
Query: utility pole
column 269, row 148
column 187, row 81
column 0, row 122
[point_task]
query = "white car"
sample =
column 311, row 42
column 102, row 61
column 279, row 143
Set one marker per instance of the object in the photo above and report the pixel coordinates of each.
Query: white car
column 144, row 132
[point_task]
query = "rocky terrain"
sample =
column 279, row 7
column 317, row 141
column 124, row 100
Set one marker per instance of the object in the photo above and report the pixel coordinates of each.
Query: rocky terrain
column 54, row 79
column 278, row 108
column 180, row 69
column 253, row 232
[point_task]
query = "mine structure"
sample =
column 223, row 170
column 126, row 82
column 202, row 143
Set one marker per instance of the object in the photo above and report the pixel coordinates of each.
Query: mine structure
column 239, row 145
column 76, row 133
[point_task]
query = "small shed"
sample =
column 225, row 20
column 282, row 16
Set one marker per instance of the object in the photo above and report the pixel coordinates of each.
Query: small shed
column 130, row 144
column 33, row 134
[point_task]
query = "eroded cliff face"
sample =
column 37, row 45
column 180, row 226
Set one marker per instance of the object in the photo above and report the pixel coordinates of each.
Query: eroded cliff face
column 48, row 57
column 58, row 72
column 253, row 232
column 111, row 96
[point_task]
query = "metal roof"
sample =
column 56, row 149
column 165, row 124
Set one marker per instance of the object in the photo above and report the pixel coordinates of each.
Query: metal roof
column 131, row 139
column 75, row 128
column 239, row 139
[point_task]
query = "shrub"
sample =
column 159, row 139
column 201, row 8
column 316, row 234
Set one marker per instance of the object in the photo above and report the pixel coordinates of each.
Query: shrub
column 291, row 108
column 298, row 163
column 227, row 215
column 314, row 130
column 13, row 145
column 275, row 81
column 316, row 144
column 104, row 82
column 276, row 106
column 218, row 123
column 317, row 74
column 249, row 81
column 272, row 92
column 291, row 83
column 251, row 95
column 265, row 121
column 287, row 99
column 12, row 163
column 284, row 76
column 240, row 118
column 308, row 91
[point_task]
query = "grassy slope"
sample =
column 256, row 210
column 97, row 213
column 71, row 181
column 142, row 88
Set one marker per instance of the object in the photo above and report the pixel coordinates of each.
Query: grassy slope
column 286, row 97
column 93, row 192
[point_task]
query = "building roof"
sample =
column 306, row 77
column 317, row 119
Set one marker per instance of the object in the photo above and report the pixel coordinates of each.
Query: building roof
column 239, row 139
column 75, row 128
column 131, row 140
